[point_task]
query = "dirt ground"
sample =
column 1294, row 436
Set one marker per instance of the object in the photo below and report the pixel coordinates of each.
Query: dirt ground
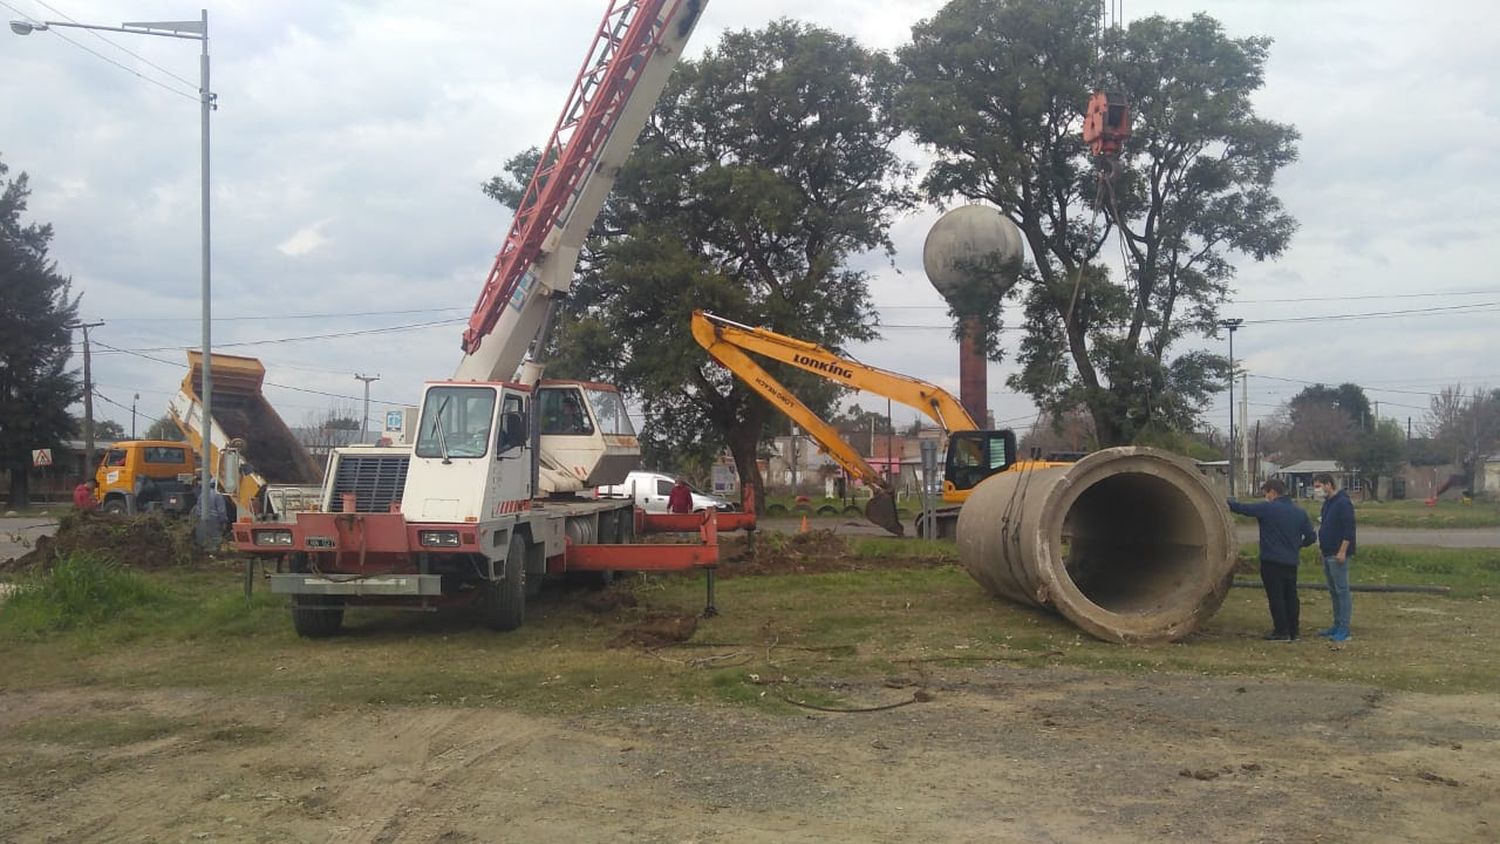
column 983, row 753
column 950, row 750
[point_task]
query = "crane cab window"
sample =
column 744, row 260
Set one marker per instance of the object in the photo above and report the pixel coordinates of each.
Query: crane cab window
column 456, row 422
column 115, row 457
column 562, row 412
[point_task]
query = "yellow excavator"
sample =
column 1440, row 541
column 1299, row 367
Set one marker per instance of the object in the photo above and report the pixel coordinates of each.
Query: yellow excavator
column 973, row 454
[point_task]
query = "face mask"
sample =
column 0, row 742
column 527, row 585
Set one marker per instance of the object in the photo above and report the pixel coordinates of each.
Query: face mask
column 1320, row 493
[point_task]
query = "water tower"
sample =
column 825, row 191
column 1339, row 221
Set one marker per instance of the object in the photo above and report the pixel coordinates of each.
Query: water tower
column 972, row 257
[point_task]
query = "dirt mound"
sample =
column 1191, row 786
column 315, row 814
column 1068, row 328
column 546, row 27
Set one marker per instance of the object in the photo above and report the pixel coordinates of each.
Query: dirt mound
column 813, row 552
column 150, row 541
column 657, row 630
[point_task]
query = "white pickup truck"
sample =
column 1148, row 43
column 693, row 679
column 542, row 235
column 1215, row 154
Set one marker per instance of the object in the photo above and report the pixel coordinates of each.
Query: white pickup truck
column 651, row 490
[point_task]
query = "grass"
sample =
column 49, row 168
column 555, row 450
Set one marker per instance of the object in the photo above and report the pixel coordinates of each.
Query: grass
column 796, row 636
column 1482, row 513
column 82, row 591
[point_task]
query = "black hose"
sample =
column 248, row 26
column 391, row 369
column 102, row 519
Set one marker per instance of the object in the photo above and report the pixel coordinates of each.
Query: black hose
column 1359, row 587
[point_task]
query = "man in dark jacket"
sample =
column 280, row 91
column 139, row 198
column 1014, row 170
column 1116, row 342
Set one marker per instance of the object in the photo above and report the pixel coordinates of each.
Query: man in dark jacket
column 1336, row 542
column 1284, row 529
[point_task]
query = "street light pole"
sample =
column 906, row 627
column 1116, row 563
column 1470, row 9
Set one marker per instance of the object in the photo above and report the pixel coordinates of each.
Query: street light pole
column 1232, row 325
column 194, row 31
column 365, row 417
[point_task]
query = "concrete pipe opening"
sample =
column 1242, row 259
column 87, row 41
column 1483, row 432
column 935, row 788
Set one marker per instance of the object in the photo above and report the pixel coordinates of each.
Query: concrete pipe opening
column 1130, row 544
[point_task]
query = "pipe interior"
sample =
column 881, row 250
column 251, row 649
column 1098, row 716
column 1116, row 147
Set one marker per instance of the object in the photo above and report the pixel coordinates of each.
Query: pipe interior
column 1134, row 543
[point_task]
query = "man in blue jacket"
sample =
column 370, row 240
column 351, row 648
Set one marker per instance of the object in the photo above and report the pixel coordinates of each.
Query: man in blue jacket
column 1336, row 542
column 1284, row 529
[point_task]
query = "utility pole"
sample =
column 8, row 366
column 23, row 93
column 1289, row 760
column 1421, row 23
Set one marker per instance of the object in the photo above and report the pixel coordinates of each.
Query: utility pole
column 1232, row 325
column 133, row 399
column 793, row 446
column 88, row 394
column 364, row 417
column 1244, row 428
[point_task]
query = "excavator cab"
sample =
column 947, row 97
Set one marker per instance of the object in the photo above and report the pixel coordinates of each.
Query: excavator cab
column 974, row 456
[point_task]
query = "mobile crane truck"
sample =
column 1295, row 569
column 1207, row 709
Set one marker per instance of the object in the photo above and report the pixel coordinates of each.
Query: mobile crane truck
column 480, row 506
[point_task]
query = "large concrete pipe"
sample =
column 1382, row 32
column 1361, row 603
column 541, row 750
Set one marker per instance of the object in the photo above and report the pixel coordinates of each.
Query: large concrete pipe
column 1131, row 544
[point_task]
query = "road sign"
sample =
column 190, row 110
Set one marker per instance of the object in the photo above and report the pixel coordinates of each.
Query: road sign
column 41, row 457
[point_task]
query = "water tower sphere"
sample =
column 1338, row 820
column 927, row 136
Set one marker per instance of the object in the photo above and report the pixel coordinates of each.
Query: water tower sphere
column 965, row 238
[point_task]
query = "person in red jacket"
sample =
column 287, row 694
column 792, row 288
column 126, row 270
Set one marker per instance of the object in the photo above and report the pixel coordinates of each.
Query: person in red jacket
column 680, row 500
column 83, row 496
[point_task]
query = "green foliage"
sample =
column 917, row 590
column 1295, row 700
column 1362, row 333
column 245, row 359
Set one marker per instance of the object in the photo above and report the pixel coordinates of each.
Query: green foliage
column 81, row 591
column 766, row 166
column 163, row 429
column 106, row 429
column 36, row 307
column 997, row 87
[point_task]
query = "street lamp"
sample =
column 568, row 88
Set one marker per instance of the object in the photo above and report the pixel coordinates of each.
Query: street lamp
column 1231, row 324
column 194, row 31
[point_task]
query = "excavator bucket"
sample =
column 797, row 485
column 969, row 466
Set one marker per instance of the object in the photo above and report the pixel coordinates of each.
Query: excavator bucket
column 882, row 511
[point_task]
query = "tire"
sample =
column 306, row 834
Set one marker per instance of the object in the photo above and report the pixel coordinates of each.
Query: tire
column 313, row 620
column 113, row 506
column 505, row 599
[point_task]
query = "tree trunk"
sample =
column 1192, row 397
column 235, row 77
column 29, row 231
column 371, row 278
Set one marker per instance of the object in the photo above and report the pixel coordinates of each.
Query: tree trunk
column 20, row 490
column 744, row 445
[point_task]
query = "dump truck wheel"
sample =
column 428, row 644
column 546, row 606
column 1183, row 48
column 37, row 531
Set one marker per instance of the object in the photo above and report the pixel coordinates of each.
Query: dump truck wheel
column 505, row 599
column 115, row 506
column 313, row 618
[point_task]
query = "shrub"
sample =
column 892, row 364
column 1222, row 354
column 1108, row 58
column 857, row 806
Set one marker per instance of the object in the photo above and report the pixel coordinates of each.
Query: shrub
column 84, row 589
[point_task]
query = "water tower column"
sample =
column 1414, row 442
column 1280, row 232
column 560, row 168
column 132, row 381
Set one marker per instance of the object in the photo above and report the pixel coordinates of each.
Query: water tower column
column 972, row 256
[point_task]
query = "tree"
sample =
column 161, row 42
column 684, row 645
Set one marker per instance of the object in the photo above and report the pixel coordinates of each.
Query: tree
column 109, row 429
column 1336, row 422
column 36, row 308
column 1464, row 426
column 996, row 88
column 765, row 167
column 163, row 429
column 1376, row 452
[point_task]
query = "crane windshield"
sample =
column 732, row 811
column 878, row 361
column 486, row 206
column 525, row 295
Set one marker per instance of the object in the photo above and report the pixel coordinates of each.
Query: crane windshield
column 609, row 409
column 456, row 422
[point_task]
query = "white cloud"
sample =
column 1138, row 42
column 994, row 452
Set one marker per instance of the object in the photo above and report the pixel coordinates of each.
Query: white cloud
column 304, row 240
column 385, row 115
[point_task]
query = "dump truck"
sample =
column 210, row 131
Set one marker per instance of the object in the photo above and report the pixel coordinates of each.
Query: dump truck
column 254, row 457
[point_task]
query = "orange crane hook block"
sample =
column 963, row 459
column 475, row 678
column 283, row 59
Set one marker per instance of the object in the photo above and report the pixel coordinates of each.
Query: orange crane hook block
column 1106, row 124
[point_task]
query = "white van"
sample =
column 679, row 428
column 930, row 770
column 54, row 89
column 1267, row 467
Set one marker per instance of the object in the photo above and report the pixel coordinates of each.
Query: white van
column 651, row 490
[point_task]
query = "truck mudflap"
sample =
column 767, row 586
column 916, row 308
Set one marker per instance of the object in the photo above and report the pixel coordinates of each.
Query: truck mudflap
column 380, row 584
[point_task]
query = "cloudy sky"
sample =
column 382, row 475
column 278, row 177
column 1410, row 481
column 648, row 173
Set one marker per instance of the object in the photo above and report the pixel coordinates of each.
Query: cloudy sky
column 352, row 137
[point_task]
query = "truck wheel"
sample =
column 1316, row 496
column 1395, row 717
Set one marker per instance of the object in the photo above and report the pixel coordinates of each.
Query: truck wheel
column 505, row 599
column 115, row 506
column 312, row 620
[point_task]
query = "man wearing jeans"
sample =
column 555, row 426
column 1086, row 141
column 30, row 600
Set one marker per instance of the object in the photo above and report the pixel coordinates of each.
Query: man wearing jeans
column 1336, row 543
column 1284, row 530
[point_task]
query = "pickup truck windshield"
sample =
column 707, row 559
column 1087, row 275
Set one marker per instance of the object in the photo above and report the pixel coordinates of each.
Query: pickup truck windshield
column 456, row 422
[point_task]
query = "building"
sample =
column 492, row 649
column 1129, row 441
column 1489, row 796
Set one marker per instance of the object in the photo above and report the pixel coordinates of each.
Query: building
column 69, row 466
column 1298, row 476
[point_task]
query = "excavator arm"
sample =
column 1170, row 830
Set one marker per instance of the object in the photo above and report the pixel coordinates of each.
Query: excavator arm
column 882, row 507
column 939, row 405
column 728, row 343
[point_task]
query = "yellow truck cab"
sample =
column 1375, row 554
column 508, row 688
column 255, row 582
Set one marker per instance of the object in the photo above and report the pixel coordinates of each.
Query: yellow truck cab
column 168, row 464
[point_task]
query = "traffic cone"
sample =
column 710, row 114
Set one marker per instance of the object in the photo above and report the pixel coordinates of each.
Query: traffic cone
column 804, row 525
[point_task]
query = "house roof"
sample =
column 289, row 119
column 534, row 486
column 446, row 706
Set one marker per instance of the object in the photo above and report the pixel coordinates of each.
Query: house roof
column 1305, row 467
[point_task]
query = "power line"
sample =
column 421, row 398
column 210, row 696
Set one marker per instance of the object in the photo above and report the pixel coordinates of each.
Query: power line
column 1474, row 308
column 277, row 340
column 60, row 13
column 337, row 315
column 158, row 83
column 142, row 355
